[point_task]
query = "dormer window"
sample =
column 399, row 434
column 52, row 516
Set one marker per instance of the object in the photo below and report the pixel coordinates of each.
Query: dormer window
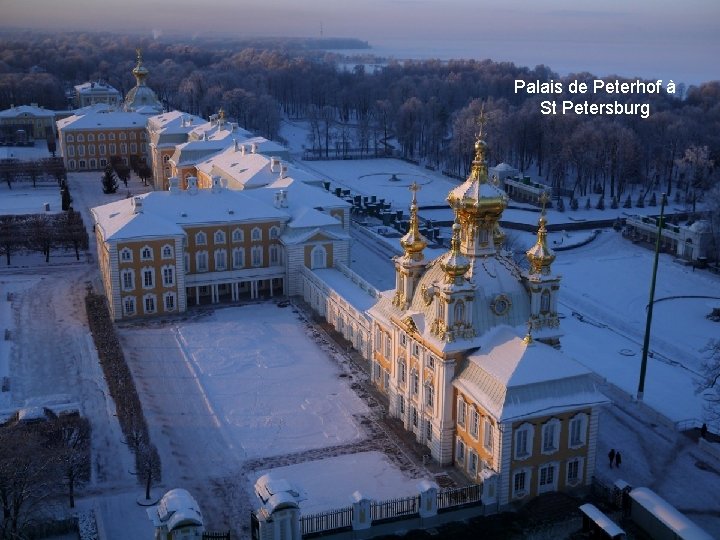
column 274, row 233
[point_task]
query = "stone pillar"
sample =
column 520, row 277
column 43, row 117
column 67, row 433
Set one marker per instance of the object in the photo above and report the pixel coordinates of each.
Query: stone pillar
column 197, row 295
column 362, row 515
column 428, row 498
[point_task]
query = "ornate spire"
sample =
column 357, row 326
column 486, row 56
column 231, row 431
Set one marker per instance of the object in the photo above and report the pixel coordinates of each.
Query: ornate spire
column 140, row 71
column 413, row 242
column 454, row 263
column 540, row 255
column 528, row 339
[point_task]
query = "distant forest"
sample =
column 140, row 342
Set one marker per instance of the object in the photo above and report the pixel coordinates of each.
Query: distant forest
column 427, row 110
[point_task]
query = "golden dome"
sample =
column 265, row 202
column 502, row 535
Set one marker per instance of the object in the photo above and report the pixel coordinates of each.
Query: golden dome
column 413, row 242
column 454, row 263
column 540, row 255
column 476, row 196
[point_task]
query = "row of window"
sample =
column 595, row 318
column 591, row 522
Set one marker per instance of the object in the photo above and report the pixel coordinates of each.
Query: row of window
column 468, row 458
column 220, row 257
column 147, row 253
column 427, row 432
column 550, row 434
column 91, row 164
column 429, row 390
column 101, row 136
column 148, row 304
column 468, row 417
column 104, row 150
column 147, row 275
column 219, row 237
column 547, row 477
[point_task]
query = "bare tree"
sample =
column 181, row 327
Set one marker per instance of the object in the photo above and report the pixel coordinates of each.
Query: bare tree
column 709, row 385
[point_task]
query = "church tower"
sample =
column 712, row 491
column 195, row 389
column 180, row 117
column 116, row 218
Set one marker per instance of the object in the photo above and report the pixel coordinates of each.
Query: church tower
column 410, row 265
column 141, row 97
column 543, row 287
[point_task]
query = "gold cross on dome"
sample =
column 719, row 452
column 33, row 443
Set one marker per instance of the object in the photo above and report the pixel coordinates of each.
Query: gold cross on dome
column 544, row 199
column 481, row 122
column 138, row 51
column 414, row 187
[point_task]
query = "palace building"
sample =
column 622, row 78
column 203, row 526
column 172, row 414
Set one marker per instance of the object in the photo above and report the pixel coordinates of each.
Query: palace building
column 466, row 349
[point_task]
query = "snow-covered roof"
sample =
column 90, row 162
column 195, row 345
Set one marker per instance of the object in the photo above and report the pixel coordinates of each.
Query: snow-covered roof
column 177, row 508
column 96, row 87
column 348, row 289
column 174, row 122
column 512, row 379
column 110, row 120
column 668, row 514
column 277, row 493
column 31, row 110
column 601, row 520
column 163, row 213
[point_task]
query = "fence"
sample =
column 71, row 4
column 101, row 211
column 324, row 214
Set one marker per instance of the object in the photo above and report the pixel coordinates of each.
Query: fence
column 395, row 509
column 326, row 521
column 216, row 535
column 452, row 498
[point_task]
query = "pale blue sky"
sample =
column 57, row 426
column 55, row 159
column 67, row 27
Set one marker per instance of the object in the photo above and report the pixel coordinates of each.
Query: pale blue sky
column 569, row 35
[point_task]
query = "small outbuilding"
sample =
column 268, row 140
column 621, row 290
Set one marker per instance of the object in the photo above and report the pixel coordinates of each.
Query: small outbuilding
column 177, row 517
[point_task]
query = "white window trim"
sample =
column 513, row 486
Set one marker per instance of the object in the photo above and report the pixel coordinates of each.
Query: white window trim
column 198, row 267
column 488, row 435
column 142, row 277
column 256, row 234
column 164, row 281
column 145, row 298
column 200, row 239
column 582, row 418
column 165, row 302
column 519, row 494
column 256, row 262
column 461, row 412
column 219, row 237
column 131, row 273
column 460, row 445
column 581, row 466
column 474, row 427
column 238, row 235
column 552, row 486
column 544, row 449
column 124, row 306
column 274, row 232
column 473, row 454
column 220, row 256
column 235, row 251
column 143, row 257
column 530, row 430
column 318, row 257
column 165, row 248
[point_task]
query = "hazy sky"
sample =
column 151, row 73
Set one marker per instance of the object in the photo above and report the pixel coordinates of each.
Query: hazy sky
column 623, row 36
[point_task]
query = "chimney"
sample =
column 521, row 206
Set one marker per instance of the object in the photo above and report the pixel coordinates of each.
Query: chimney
column 274, row 162
column 242, row 149
column 192, row 186
column 216, row 185
column 237, row 147
column 253, row 148
column 174, row 183
column 278, row 195
column 283, row 170
column 137, row 205
column 283, row 198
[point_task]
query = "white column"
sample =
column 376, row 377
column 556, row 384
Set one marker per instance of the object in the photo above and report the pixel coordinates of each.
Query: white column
column 271, row 287
column 197, row 295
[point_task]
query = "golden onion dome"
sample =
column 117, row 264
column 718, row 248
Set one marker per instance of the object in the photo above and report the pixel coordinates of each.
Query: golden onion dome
column 476, row 196
column 454, row 263
column 540, row 255
column 413, row 242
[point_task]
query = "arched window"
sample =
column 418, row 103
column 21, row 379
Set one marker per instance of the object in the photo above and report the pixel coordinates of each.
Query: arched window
column 146, row 253
column 237, row 235
column 274, row 255
column 169, row 301
column 459, row 312
column 238, row 255
column 256, row 234
column 318, row 257
column 167, row 251
column 168, row 275
column 70, row 138
column 201, row 261
column 127, row 279
column 219, row 237
column 126, row 255
column 257, row 256
column 220, row 260
column 129, row 305
column 274, row 232
column 200, row 239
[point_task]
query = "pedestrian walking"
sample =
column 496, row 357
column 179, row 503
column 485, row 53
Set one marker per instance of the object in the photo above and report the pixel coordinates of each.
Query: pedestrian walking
column 611, row 456
column 618, row 459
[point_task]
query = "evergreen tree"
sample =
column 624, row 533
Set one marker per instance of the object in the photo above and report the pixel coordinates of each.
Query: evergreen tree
column 109, row 182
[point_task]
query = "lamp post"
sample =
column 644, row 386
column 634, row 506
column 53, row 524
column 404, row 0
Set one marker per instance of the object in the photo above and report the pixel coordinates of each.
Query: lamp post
column 648, row 321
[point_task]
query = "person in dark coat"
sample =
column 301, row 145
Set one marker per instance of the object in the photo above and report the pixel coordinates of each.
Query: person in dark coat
column 618, row 459
column 611, row 456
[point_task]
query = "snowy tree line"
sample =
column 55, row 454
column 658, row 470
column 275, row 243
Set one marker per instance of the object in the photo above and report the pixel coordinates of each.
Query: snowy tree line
column 123, row 392
column 42, row 233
